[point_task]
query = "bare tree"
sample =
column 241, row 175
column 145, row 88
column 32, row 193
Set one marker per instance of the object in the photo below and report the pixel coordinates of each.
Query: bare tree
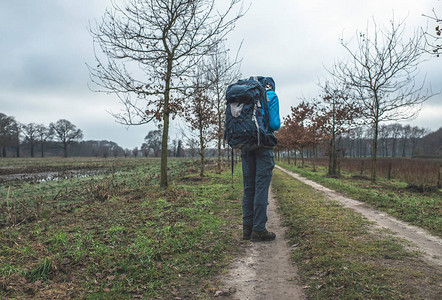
column 416, row 134
column 30, row 134
column 192, row 144
column 384, row 134
column 381, row 73
column 339, row 116
column 66, row 133
column 153, row 141
column 6, row 132
column 43, row 134
column 201, row 117
column 16, row 132
column 105, row 151
column 221, row 71
column 405, row 136
column 150, row 46
column 145, row 150
column 115, row 151
column 135, row 151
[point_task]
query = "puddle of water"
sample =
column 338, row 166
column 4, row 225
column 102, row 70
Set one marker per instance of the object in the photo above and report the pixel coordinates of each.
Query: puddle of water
column 49, row 176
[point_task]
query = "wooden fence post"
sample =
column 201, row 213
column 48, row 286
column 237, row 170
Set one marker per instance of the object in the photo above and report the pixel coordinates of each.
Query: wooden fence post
column 389, row 171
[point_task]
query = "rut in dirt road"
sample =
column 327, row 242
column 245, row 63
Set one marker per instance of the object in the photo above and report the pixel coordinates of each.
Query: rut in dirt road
column 430, row 245
column 265, row 272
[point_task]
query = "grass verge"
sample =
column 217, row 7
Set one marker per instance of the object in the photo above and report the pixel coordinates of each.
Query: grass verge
column 341, row 256
column 421, row 209
column 139, row 241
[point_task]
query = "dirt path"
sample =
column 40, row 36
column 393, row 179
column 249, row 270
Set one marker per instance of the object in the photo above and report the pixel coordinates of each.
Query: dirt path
column 265, row 272
column 430, row 245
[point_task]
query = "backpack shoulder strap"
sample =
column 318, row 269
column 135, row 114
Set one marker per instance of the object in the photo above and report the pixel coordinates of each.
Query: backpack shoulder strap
column 265, row 101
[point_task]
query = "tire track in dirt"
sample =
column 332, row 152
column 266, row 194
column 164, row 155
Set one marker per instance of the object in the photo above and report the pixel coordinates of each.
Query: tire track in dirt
column 265, row 272
column 430, row 245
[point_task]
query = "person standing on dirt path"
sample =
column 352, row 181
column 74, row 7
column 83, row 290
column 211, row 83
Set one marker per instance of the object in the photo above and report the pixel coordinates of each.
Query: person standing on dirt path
column 257, row 166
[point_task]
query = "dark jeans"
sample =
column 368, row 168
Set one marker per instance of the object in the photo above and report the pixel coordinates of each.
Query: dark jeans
column 257, row 166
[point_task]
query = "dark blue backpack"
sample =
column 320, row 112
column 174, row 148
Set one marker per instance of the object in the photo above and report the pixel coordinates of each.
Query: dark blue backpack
column 245, row 126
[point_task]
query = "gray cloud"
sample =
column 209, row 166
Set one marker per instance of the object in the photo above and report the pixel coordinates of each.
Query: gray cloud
column 45, row 45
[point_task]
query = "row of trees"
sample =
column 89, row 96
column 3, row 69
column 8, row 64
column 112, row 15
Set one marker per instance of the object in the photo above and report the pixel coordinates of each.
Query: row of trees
column 20, row 139
column 395, row 140
column 154, row 57
column 376, row 83
column 13, row 134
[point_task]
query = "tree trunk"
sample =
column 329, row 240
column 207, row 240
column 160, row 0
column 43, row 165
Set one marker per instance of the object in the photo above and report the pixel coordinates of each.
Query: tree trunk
column 332, row 156
column 163, row 175
column 163, row 172
column 65, row 149
column 42, row 153
column 302, row 157
column 202, row 151
column 393, row 147
column 403, row 147
column 18, row 146
column 374, row 152
column 314, row 156
column 219, row 141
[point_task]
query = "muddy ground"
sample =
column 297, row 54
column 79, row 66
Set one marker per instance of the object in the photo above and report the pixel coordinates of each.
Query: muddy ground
column 265, row 272
column 33, row 174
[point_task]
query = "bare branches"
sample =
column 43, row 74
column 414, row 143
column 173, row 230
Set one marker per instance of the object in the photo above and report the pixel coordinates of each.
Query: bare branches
column 150, row 47
column 433, row 39
column 66, row 133
column 381, row 74
column 148, row 42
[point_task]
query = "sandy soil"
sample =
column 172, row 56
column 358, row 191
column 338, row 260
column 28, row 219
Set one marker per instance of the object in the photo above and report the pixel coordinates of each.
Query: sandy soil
column 422, row 240
column 265, row 272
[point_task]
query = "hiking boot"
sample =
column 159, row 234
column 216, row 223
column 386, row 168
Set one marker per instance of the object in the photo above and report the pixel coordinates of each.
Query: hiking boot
column 265, row 235
column 246, row 231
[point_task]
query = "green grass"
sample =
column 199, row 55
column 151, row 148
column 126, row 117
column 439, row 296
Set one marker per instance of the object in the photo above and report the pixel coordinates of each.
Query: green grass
column 120, row 236
column 424, row 210
column 341, row 256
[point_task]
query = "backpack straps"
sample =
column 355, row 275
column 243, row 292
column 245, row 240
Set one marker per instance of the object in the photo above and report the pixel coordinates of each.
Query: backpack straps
column 264, row 100
column 266, row 112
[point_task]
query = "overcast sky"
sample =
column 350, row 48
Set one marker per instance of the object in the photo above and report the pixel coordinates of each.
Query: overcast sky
column 45, row 46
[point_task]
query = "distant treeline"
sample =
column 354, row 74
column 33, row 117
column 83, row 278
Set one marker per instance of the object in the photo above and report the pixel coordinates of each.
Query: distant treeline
column 62, row 138
column 395, row 140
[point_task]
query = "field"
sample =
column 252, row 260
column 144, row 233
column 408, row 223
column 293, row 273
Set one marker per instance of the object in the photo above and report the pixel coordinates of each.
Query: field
column 102, row 228
column 418, row 173
column 114, row 234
